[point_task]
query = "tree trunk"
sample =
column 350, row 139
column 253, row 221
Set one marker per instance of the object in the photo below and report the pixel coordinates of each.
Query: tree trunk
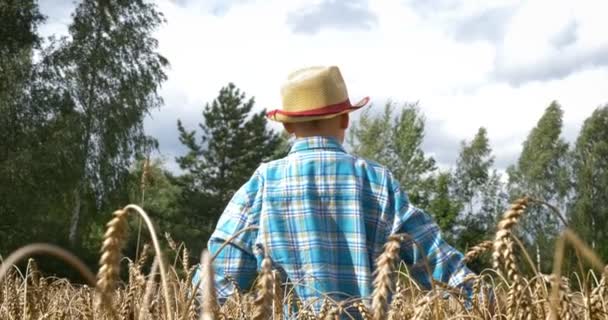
column 75, row 218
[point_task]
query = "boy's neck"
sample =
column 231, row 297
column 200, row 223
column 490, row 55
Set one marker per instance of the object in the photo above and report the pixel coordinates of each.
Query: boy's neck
column 339, row 137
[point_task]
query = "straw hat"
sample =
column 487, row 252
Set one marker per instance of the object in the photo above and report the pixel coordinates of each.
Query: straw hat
column 312, row 94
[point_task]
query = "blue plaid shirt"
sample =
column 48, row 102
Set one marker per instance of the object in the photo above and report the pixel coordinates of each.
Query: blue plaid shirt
column 323, row 217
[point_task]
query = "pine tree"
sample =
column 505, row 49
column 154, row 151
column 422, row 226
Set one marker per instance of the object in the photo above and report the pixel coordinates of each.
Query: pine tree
column 232, row 146
column 542, row 172
column 396, row 142
column 590, row 206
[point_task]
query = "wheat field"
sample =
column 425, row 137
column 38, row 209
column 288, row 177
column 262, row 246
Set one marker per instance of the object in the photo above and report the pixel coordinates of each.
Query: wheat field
column 165, row 291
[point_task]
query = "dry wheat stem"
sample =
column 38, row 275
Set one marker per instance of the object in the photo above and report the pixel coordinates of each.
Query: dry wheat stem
column 560, row 216
column 580, row 246
column 207, row 289
column 32, row 296
column 159, row 255
column 148, row 290
column 227, row 242
column 595, row 305
column 522, row 248
column 265, row 283
column 277, row 294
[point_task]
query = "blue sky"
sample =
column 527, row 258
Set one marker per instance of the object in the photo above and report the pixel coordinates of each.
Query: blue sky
column 495, row 63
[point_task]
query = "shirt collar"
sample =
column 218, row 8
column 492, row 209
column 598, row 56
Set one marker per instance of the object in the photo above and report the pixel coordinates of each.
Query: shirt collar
column 316, row 143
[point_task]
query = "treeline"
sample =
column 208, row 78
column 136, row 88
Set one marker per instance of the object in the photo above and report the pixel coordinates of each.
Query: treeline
column 468, row 199
column 73, row 148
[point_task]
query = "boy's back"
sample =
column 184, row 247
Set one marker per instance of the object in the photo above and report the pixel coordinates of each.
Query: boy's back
column 323, row 217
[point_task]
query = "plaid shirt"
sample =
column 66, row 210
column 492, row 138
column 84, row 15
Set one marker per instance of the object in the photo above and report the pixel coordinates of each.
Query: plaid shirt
column 323, row 217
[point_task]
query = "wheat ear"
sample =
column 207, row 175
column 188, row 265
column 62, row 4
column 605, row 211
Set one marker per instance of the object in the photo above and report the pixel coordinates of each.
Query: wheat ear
column 595, row 300
column 362, row 310
column 109, row 263
column 422, row 308
column 395, row 310
column 324, row 309
column 502, row 246
column 263, row 301
column 334, row 313
column 503, row 252
column 564, row 303
column 383, row 283
column 478, row 250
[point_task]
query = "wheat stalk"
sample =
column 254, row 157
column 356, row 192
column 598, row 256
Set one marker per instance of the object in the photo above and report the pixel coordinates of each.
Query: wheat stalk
column 109, row 263
column 502, row 246
column 32, row 296
column 478, row 250
column 503, row 252
column 363, row 310
column 277, row 294
column 263, row 301
column 324, row 309
column 159, row 256
column 422, row 308
column 595, row 300
column 395, row 310
column 333, row 313
column 206, row 289
column 385, row 267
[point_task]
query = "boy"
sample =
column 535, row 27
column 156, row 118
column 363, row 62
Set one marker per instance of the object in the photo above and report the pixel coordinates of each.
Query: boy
column 322, row 214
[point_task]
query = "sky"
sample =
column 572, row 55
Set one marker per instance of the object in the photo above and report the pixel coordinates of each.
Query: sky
column 468, row 63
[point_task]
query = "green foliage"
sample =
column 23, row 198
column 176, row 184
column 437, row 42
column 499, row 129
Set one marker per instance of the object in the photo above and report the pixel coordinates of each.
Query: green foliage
column 233, row 144
column 396, row 141
column 478, row 188
column 27, row 133
column 371, row 136
column 444, row 205
column 111, row 72
column 590, row 205
column 158, row 194
column 473, row 167
column 542, row 172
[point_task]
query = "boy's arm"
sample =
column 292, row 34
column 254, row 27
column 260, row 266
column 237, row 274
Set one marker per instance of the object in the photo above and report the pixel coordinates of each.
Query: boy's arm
column 237, row 259
column 444, row 262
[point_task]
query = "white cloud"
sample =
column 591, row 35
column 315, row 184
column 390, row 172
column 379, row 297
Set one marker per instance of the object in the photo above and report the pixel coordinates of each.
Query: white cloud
column 533, row 48
column 503, row 79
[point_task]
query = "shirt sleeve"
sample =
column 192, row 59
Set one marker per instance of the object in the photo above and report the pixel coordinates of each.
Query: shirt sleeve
column 430, row 253
column 237, row 260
